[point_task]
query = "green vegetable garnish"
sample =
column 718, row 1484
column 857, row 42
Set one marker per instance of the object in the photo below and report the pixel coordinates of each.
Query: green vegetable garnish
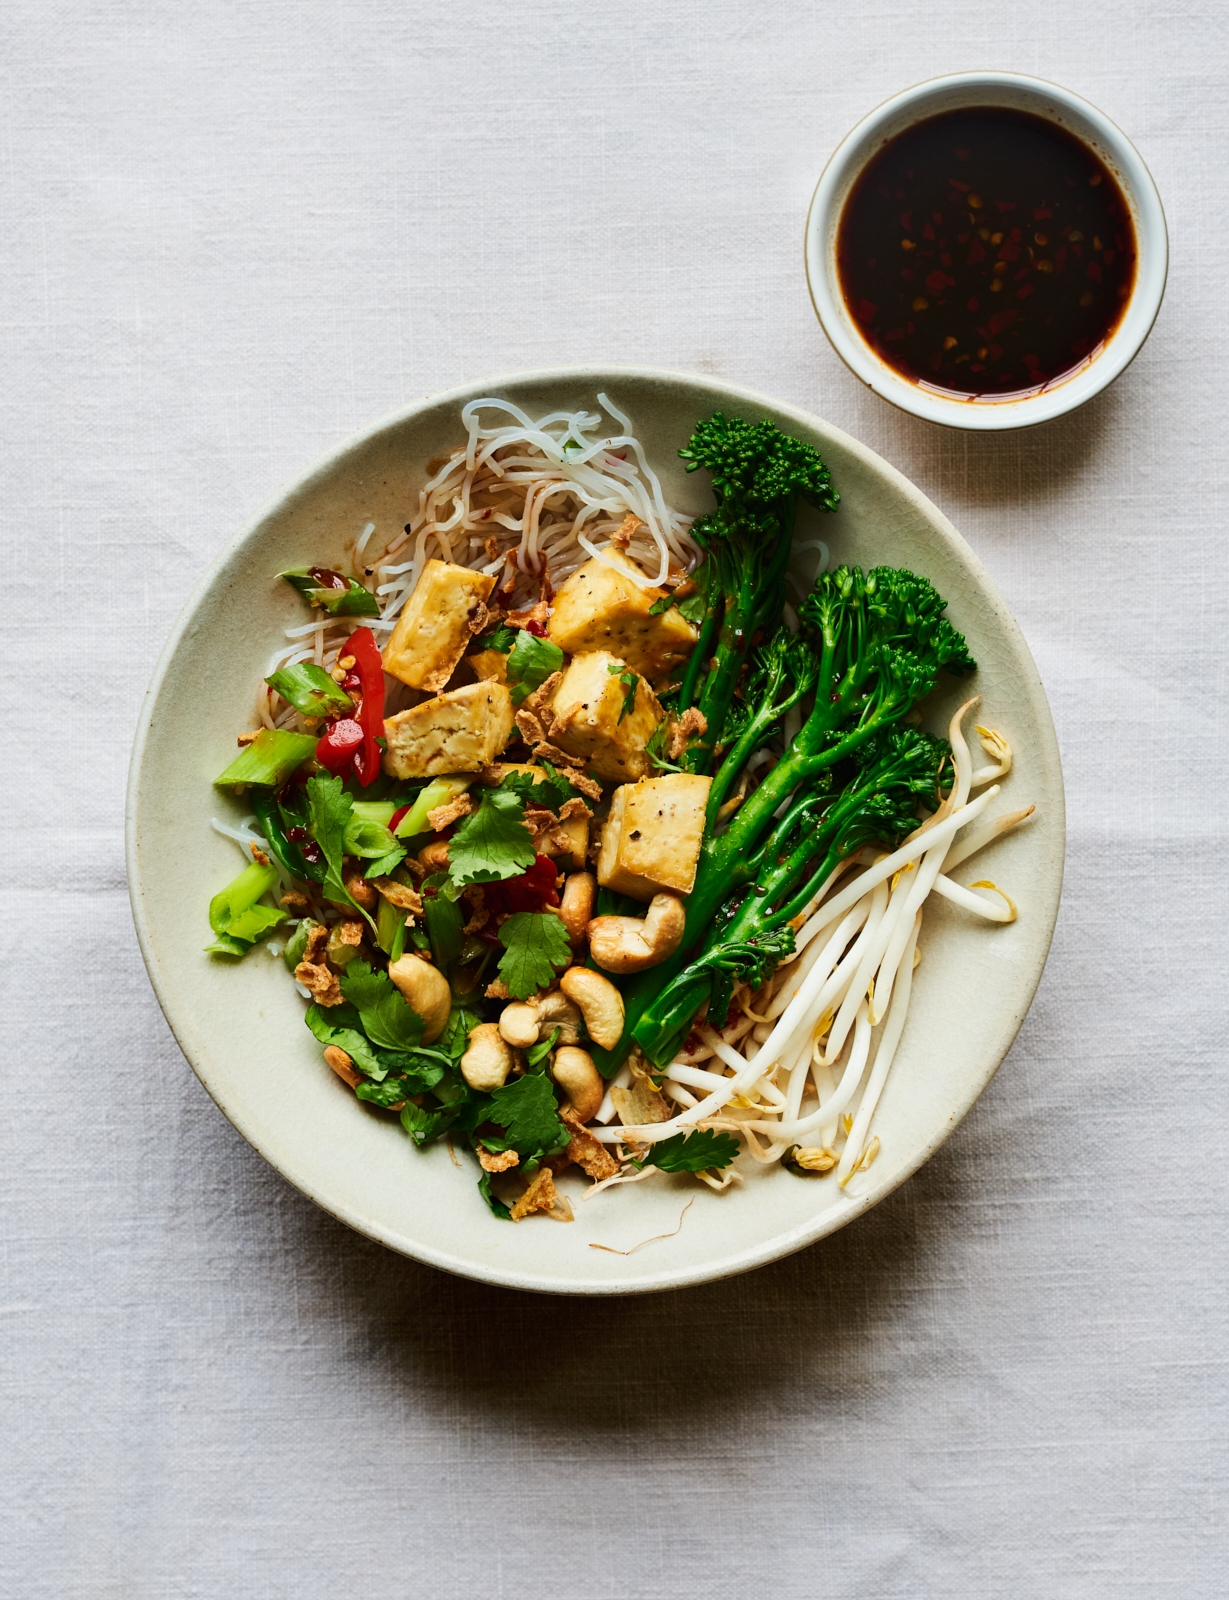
column 296, row 945
column 530, row 664
column 439, row 792
column 691, row 1152
column 629, row 680
column 371, row 840
column 502, row 639
column 333, row 592
column 269, row 760
column 492, row 843
column 547, row 788
column 236, row 918
column 538, row 1053
column 309, row 689
column 526, row 1110
column 535, row 946
column 445, row 920
column 387, row 1018
column 329, row 810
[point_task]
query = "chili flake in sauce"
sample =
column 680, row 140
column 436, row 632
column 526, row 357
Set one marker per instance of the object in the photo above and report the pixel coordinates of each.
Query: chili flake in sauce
column 986, row 252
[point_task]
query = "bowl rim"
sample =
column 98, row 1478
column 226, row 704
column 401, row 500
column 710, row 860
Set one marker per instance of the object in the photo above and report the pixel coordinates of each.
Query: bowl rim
column 1020, row 92
column 779, row 1245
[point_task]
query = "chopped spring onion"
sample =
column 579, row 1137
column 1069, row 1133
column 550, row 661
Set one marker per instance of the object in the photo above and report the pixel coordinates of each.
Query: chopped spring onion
column 234, row 915
column 336, row 594
column 269, row 760
column 437, row 793
column 309, row 689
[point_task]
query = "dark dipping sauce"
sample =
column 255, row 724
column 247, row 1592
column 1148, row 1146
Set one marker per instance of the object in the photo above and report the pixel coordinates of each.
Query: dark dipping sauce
column 987, row 253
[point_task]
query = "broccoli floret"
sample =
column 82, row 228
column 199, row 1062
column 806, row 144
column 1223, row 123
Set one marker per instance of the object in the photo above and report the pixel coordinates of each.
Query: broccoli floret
column 759, row 476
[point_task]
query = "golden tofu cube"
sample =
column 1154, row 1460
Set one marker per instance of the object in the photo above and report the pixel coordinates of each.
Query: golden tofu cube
column 456, row 732
column 489, row 665
column 590, row 722
column 651, row 840
column 435, row 626
column 576, row 831
column 601, row 607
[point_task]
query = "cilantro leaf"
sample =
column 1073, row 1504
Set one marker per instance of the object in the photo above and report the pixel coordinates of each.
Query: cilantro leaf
column 462, row 1020
column 502, row 639
column 656, row 748
column 493, row 842
column 530, row 664
column 329, row 809
column 547, row 788
column 535, row 944
column 329, row 812
column 629, row 680
column 692, row 1152
column 691, row 609
column 498, row 1208
column 387, row 1019
column 525, row 1109
column 415, row 1069
column 342, row 1026
column 382, row 867
column 423, row 1124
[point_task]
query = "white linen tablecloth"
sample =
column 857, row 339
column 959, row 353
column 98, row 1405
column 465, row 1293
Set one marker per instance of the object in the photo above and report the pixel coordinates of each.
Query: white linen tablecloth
column 233, row 232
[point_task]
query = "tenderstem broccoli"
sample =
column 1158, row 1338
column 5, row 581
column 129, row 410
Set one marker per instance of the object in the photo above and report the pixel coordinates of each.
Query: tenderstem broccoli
column 759, row 477
column 871, row 644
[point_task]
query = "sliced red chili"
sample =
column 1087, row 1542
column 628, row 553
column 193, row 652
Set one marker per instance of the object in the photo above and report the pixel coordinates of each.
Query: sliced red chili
column 338, row 746
column 370, row 670
column 533, row 890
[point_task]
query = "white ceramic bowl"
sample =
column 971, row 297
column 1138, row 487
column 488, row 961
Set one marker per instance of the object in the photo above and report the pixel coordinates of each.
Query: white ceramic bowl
column 1018, row 93
column 241, row 1025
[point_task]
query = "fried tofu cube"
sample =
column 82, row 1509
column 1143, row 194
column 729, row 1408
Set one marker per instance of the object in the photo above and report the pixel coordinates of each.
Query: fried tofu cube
column 602, row 607
column 576, row 831
column 489, row 665
column 436, row 624
column 651, row 840
column 589, row 720
column 456, row 732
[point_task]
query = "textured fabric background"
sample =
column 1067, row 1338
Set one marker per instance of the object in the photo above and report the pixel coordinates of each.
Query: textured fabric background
column 232, row 233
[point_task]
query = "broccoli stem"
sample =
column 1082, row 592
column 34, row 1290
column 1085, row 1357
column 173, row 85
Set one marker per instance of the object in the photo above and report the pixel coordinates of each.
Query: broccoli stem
column 754, row 606
column 702, row 650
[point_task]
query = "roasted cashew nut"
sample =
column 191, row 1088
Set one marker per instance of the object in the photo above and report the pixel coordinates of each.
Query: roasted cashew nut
column 434, row 857
column 426, row 988
column 627, row 944
column 487, row 1060
column 576, row 904
column 600, row 1004
column 525, row 1022
column 573, row 1070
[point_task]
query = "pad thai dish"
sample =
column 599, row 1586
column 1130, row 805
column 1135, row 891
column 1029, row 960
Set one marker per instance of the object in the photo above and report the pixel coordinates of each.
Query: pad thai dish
column 593, row 842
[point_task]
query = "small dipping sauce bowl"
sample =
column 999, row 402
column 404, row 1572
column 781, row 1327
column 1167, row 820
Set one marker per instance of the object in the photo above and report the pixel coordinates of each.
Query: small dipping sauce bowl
column 938, row 402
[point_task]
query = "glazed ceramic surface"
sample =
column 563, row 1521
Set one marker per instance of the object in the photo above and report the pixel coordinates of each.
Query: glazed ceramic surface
column 241, row 1024
column 1017, row 93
